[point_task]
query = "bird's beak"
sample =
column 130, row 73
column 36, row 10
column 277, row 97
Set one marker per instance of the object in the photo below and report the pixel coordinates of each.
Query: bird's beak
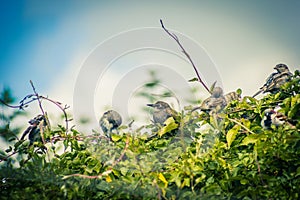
column 151, row 105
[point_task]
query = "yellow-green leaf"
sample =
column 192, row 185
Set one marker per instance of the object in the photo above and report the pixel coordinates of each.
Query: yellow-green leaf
column 108, row 179
column 115, row 137
column 249, row 140
column 163, row 179
column 231, row 134
column 170, row 125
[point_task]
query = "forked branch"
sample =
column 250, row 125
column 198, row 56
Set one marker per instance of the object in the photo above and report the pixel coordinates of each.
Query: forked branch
column 36, row 97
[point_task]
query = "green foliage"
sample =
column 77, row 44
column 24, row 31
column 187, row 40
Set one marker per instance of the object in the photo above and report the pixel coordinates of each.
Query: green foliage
column 227, row 156
column 7, row 133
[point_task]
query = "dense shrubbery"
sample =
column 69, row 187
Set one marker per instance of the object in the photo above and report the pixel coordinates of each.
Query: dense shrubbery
column 233, row 157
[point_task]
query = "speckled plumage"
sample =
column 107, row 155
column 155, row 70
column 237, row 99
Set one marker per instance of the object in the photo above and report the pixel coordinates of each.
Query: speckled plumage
column 34, row 129
column 276, row 80
column 109, row 121
column 215, row 103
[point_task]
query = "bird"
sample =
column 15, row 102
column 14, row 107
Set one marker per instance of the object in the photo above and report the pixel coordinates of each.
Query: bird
column 231, row 96
column 215, row 103
column 276, row 80
column 34, row 129
column 110, row 121
column 272, row 117
column 162, row 111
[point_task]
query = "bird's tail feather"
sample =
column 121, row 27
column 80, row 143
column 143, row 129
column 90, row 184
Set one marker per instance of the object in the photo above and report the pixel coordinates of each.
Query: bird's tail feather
column 257, row 93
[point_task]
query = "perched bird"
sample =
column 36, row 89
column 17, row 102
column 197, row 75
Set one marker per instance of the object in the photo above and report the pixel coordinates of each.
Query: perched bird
column 34, row 129
column 215, row 103
column 110, row 121
column 272, row 117
column 162, row 111
column 231, row 96
column 276, row 80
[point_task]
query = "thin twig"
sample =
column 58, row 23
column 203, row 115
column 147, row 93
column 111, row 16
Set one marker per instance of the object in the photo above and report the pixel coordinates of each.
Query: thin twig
column 63, row 109
column 35, row 97
column 10, row 106
column 258, row 168
column 6, row 157
column 237, row 122
column 38, row 99
column 185, row 53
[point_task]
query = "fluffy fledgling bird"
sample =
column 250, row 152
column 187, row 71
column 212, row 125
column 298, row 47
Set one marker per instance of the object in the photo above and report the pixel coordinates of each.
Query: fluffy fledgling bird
column 110, row 121
column 272, row 117
column 276, row 80
column 162, row 111
column 34, row 129
column 216, row 102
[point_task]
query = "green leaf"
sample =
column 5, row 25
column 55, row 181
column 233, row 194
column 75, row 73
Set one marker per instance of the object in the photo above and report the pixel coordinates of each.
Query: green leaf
column 186, row 182
column 11, row 139
column 9, row 149
column 239, row 91
column 246, row 122
column 193, row 79
column 297, row 172
column 115, row 137
column 201, row 178
column 152, row 84
column 231, row 134
column 244, row 181
column 249, row 140
column 170, row 125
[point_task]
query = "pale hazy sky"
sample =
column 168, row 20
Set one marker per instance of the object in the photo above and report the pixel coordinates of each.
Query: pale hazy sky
column 49, row 41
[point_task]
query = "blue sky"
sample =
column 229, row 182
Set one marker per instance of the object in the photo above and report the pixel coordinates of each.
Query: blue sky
column 48, row 41
column 23, row 24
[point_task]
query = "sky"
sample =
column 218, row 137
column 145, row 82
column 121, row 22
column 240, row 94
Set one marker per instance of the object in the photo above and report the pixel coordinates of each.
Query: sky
column 95, row 55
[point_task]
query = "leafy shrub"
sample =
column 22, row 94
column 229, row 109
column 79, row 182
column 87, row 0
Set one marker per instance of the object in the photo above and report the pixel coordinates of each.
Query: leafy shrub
column 232, row 158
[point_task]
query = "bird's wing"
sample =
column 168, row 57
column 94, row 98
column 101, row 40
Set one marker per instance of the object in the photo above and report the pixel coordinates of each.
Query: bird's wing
column 205, row 104
column 278, row 81
column 274, row 81
column 231, row 96
column 26, row 132
column 271, row 78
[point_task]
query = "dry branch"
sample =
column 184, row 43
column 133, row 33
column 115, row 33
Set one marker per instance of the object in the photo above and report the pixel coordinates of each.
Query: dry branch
column 185, row 53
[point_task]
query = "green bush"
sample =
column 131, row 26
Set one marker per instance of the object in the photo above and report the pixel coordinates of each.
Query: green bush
column 232, row 158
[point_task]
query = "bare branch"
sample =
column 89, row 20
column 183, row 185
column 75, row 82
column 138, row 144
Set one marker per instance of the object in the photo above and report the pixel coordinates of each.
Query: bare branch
column 63, row 109
column 10, row 106
column 185, row 53
column 38, row 98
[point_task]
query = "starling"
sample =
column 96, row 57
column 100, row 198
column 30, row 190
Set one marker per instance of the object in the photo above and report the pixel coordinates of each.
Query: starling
column 110, row 121
column 162, row 111
column 276, row 80
column 34, row 129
